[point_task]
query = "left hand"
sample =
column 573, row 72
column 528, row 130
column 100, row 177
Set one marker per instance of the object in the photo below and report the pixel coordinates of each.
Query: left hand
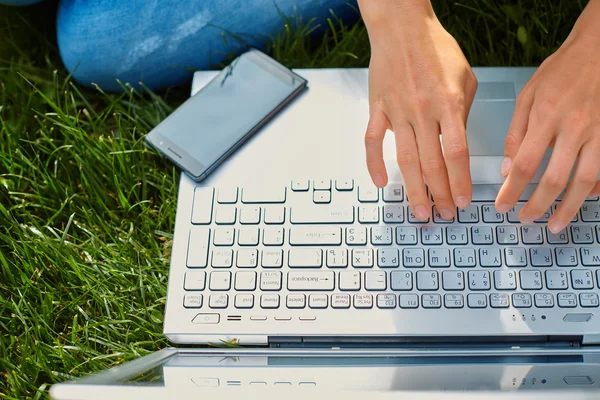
column 559, row 107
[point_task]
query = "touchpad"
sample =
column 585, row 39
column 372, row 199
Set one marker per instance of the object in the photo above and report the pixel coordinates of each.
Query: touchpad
column 490, row 117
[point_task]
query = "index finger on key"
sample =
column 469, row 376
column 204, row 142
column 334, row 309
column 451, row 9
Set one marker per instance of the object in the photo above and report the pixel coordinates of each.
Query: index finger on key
column 456, row 155
column 376, row 129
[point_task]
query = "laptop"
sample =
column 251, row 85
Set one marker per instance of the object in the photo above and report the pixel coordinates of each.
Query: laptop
column 329, row 284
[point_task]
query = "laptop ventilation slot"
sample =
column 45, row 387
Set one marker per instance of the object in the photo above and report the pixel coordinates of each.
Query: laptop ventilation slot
column 234, row 318
column 234, row 383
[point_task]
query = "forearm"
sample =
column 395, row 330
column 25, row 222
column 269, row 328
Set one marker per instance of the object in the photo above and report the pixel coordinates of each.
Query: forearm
column 588, row 23
column 376, row 11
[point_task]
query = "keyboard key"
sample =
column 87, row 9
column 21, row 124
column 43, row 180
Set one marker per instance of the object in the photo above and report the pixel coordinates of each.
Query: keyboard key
column 413, row 258
column 499, row 300
column 427, row 280
column 248, row 236
column 337, row 258
column 310, row 280
column 469, row 215
column 305, row 258
column 590, row 212
column 368, row 194
column 454, row 301
column 274, row 214
column 401, row 280
column 386, row 300
column 199, row 239
column 300, row 185
column 222, row 258
column 192, row 301
column 393, row 214
column 202, row 206
column 344, row 185
column 588, row 299
column 541, row 257
column 362, row 258
column 227, row 195
column 251, row 195
column 269, row 301
column 322, row 214
column 453, row 280
column 408, row 301
column 225, row 215
column 244, row 300
column 532, row 234
column 464, row 257
column 513, row 213
column 393, row 192
column 271, row 280
column 406, row 235
column 356, row 236
column 368, row 214
column 194, row 280
column 521, row 300
column 322, row 184
column 457, row 235
column 375, row 280
column 432, row 235
column 308, row 235
column 582, row 234
column 439, row 257
column 544, row 300
column 381, row 235
column 218, row 301
column 220, row 280
column 507, row 234
column 340, row 300
column 387, row 258
column 296, row 300
column 363, row 300
column 505, row 280
column 531, row 280
column 438, row 219
column 490, row 257
column 245, row 280
column 479, row 280
column 582, row 279
column 322, row 196
column 247, row 258
column 561, row 237
column 567, row 300
column 590, row 256
column 249, row 214
column 566, row 256
column 482, row 235
column 477, row 300
column 557, row 280
column 431, row 300
column 515, row 257
column 490, row 215
column 272, row 258
column 488, row 192
column 318, row 301
column 349, row 280
column 412, row 218
column 273, row 236
column 223, row 236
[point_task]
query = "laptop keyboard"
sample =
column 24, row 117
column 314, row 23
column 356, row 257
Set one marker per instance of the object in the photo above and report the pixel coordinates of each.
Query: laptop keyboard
column 333, row 244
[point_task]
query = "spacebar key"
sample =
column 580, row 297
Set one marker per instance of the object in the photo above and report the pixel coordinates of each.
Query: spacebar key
column 310, row 280
column 322, row 215
column 488, row 192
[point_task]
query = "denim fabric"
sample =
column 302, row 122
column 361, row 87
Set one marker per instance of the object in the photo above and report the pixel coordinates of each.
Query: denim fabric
column 161, row 42
column 18, row 2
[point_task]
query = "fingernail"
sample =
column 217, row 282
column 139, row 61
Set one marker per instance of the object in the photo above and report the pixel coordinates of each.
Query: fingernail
column 556, row 226
column 446, row 214
column 506, row 163
column 378, row 180
column 462, row 202
column 421, row 213
column 526, row 220
column 502, row 208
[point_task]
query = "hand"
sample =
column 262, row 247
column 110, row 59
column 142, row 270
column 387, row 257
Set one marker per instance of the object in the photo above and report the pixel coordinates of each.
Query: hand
column 420, row 84
column 559, row 107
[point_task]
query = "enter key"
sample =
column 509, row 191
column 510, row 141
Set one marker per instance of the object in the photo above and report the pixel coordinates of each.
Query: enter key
column 315, row 235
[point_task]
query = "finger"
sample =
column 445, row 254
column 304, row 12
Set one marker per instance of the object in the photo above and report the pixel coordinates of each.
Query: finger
column 378, row 125
column 456, row 155
column 596, row 190
column 524, row 166
column 516, row 131
column 554, row 180
column 584, row 180
column 434, row 167
column 408, row 160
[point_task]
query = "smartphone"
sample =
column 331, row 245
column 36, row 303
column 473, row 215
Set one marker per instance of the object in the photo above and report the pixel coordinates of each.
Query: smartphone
column 213, row 123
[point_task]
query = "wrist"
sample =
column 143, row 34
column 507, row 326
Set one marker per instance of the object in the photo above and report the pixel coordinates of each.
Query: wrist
column 588, row 23
column 376, row 13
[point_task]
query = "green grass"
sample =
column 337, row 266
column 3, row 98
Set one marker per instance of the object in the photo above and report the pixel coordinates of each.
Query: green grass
column 87, row 213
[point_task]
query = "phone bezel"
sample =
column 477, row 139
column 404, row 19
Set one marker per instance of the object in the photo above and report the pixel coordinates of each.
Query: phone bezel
column 195, row 168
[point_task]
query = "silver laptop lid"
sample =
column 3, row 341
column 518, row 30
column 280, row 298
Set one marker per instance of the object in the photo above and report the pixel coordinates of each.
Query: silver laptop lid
column 431, row 373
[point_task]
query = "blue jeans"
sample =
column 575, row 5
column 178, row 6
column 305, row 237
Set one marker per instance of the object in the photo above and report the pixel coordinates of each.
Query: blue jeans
column 160, row 43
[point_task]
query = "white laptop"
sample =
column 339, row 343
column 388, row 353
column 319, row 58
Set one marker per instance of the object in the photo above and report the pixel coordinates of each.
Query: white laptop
column 288, row 250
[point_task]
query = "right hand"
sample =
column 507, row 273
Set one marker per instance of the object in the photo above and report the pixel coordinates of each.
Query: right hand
column 420, row 84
